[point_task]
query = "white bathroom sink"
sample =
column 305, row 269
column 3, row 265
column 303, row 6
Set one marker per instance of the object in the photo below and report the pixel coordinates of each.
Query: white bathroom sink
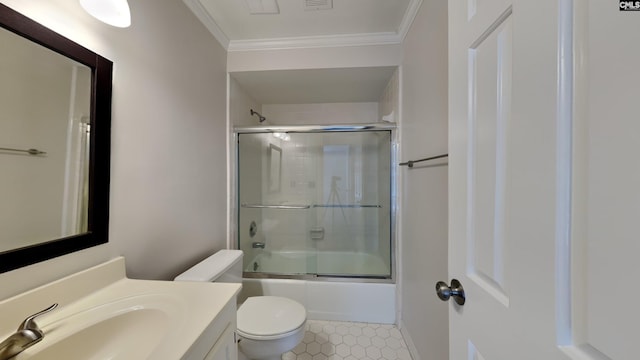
column 130, row 335
column 124, row 319
column 130, row 328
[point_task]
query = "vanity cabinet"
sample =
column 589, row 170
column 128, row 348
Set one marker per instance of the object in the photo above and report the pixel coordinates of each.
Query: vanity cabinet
column 218, row 341
column 226, row 347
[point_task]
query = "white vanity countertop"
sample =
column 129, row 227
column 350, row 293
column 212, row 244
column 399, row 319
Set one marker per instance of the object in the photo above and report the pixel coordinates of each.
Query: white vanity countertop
column 166, row 317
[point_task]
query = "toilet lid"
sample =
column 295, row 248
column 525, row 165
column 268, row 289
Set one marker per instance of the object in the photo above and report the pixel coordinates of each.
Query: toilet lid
column 266, row 316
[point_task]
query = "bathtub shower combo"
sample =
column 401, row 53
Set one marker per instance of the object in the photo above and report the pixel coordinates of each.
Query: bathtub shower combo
column 315, row 217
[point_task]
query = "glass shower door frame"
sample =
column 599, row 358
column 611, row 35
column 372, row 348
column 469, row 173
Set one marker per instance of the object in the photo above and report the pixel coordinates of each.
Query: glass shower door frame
column 236, row 206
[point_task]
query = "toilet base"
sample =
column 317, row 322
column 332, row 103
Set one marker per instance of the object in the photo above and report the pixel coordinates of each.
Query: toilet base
column 242, row 356
column 249, row 349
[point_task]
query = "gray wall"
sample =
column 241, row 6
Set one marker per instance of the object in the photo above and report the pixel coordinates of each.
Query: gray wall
column 424, row 189
column 169, row 177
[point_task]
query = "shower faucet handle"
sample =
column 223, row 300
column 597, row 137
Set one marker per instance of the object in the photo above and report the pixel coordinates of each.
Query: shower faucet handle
column 258, row 245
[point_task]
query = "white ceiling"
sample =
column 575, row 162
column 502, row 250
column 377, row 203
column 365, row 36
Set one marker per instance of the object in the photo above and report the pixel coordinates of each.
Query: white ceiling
column 349, row 22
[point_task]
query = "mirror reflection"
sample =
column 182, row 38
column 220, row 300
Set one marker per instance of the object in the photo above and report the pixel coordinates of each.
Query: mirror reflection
column 45, row 107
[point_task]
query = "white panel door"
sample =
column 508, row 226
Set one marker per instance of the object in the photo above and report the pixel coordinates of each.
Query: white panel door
column 544, row 193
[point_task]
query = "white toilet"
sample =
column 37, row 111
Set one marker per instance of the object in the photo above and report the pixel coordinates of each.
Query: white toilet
column 268, row 326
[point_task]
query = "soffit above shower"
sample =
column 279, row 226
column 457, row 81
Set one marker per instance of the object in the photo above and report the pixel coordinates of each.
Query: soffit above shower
column 295, row 24
column 313, row 86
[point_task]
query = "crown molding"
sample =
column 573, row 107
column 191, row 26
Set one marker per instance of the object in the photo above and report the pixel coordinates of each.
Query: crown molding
column 201, row 13
column 386, row 38
column 409, row 16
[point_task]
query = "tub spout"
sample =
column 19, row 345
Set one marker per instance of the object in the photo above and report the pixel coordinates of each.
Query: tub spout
column 258, row 245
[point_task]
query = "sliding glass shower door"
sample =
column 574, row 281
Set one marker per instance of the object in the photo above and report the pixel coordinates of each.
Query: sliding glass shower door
column 315, row 203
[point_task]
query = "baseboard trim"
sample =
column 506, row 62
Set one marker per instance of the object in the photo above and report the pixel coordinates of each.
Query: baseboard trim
column 409, row 341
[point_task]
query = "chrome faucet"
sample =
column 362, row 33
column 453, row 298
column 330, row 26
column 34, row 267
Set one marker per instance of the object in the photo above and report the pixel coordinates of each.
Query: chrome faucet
column 28, row 333
column 257, row 245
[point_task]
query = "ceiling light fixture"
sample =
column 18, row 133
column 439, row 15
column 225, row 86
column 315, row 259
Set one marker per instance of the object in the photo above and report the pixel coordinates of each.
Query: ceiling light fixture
column 112, row 12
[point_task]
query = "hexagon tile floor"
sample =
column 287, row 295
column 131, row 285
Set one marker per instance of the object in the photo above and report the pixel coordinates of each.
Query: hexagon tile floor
column 338, row 340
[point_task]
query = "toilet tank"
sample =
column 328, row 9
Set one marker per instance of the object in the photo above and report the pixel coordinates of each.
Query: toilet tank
column 223, row 266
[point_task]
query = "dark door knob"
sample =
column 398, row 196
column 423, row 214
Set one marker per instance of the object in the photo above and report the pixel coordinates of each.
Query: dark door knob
column 455, row 290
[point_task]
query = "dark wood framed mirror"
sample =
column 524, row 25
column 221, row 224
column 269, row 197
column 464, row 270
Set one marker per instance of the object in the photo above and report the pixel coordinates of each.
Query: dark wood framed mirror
column 97, row 147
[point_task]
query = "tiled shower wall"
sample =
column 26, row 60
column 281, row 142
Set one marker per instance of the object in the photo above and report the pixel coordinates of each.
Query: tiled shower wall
column 306, row 178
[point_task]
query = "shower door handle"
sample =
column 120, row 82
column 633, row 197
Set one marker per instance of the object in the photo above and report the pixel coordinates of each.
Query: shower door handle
column 285, row 207
column 455, row 290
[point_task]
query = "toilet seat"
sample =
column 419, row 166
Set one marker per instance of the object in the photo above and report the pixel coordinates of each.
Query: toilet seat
column 270, row 317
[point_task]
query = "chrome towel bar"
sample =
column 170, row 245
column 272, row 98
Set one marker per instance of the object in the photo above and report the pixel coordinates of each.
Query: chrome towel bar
column 294, row 207
column 29, row 151
column 411, row 162
column 345, row 206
